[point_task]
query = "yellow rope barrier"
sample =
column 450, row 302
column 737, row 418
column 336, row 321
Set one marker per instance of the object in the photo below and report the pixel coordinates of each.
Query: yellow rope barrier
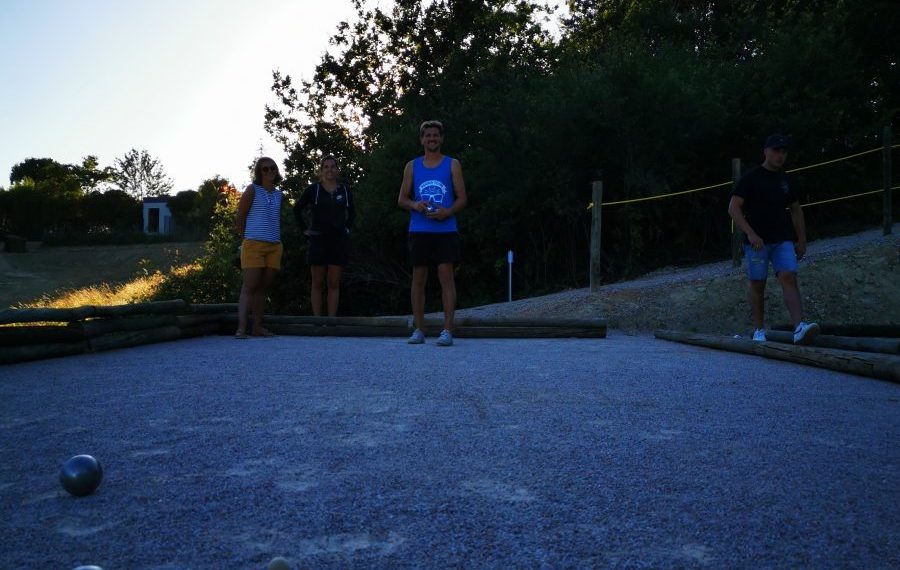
column 838, row 159
column 721, row 184
column 661, row 196
column 879, row 191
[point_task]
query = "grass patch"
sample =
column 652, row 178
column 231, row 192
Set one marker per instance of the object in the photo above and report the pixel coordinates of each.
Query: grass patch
column 135, row 291
column 69, row 276
column 138, row 290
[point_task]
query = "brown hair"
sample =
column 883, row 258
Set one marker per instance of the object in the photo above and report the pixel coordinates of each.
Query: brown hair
column 431, row 125
column 257, row 172
column 325, row 159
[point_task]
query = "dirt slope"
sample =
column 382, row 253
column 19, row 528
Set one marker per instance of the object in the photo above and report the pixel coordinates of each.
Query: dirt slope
column 849, row 279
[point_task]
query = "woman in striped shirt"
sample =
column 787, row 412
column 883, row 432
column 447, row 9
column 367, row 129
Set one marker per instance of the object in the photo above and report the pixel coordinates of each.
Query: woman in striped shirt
column 258, row 222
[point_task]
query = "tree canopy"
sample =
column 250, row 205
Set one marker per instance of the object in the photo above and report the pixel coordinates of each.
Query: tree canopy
column 141, row 175
column 70, row 203
column 653, row 97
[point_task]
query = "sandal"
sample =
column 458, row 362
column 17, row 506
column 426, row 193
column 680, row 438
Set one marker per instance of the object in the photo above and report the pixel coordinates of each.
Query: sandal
column 240, row 335
column 264, row 333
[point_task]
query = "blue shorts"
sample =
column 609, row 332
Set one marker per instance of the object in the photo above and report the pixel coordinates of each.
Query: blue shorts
column 781, row 255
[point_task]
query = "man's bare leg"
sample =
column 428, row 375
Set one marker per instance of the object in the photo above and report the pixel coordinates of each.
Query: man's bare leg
column 790, row 290
column 417, row 295
column 448, row 293
column 756, row 291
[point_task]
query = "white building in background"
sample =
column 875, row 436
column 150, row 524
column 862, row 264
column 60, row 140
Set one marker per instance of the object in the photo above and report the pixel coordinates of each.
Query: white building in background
column 157, row 217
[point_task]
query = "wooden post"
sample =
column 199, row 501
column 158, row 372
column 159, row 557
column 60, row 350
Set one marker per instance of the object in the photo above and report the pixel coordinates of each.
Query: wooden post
column 886, row 176
column 597, row 198
column 737, row 236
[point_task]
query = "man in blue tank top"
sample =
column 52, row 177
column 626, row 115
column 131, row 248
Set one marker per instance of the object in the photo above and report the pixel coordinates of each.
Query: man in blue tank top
column 433, row 191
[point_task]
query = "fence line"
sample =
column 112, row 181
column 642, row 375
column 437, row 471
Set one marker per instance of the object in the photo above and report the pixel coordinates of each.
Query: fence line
column 849, row 156
column 730, row 182
column 879, row 191
column 886, row 190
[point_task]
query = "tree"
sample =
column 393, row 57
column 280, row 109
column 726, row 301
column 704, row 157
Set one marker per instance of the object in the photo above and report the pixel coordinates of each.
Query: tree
column 38, row 169
column 466, row 62
column 193, row 209
column 141, row 175
column 90, row 175
column 659, row 96
column 112, row 211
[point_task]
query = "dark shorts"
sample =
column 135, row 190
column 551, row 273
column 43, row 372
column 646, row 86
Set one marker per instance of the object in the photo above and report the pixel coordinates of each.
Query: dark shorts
column 433, row 248
column 328, row 250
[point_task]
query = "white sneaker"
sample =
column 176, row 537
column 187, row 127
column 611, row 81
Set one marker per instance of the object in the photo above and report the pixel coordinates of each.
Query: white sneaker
column 805, row 333
column 446, row 339
column 759, row 335
column 417, row 337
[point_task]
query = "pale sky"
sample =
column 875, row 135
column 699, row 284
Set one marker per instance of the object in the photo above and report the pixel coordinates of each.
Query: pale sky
column 187, row 80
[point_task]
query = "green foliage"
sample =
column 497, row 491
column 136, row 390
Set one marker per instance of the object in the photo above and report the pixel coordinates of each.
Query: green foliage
column 193, row 209
column 62, row 204
column 88, row 175
column 37, row 169
column 112, row 209
column 32, row 209
column 140, row 175
column 216, row 276
column 654, row 97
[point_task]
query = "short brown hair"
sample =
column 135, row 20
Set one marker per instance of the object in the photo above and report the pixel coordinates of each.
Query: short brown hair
column 431, row 125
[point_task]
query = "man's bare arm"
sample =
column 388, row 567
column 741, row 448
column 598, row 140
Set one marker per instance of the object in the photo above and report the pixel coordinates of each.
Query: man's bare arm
column 736, row 211
column 404, row 200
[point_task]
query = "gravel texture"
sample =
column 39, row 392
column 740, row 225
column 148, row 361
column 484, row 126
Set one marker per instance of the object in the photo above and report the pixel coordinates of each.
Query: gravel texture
column 626, row 452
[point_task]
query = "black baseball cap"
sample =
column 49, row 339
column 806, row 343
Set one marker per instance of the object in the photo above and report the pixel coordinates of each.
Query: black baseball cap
column 777, row 141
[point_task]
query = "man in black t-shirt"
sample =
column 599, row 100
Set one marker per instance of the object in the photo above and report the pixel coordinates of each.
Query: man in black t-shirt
column 766, row 208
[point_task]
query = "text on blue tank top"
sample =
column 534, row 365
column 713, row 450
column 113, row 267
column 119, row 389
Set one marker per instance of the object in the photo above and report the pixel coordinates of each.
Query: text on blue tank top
column 435, row 184
column 264, row 218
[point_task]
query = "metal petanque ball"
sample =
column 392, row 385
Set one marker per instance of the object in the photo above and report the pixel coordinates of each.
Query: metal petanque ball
column 81, row 475
column 278, row 563
column 88, row 568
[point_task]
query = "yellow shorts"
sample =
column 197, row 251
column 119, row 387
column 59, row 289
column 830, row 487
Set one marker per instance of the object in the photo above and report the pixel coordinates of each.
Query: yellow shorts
column 258, row 254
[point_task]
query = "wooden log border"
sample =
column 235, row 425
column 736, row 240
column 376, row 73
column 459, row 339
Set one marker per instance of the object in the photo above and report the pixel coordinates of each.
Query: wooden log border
column 97, row 328
column 881, row 366
column 860, row 343
column 839, row 329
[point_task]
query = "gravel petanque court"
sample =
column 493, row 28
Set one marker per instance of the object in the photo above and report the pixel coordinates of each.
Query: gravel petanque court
column 625, row 452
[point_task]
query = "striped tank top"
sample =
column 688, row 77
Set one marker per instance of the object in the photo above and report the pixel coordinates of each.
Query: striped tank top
column 264, row 218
